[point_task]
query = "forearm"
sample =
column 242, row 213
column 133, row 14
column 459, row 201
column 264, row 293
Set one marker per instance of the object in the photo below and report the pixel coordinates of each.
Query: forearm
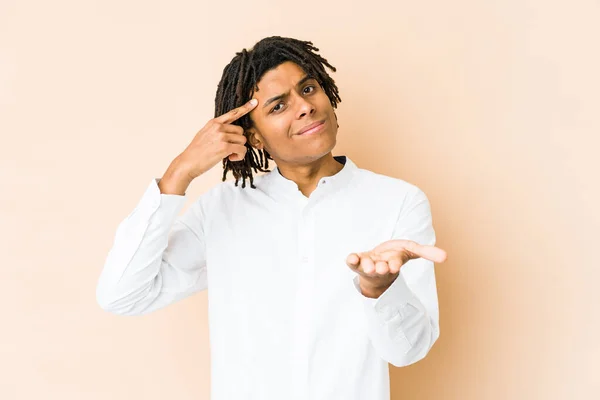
column 401, row 328
column 135, row 258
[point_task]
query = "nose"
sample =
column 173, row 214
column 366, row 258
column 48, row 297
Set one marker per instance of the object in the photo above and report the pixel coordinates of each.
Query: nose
column 305, row 107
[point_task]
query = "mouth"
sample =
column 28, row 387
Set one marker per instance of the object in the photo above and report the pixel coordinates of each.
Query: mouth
column 313, row 128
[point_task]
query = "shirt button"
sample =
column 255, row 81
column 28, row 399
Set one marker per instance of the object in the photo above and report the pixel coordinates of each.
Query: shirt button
column 387, row 312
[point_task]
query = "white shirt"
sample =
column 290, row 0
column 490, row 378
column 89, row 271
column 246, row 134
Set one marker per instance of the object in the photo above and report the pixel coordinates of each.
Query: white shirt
column 287, row 319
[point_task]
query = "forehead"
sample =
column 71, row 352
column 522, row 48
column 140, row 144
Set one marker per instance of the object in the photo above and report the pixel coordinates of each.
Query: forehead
column 276, row 80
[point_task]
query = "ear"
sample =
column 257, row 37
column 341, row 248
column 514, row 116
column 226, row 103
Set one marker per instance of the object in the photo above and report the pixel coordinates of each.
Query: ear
column 254, row 139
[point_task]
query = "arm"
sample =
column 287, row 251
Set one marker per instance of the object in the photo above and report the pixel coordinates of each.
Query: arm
column 157, row 258
column 403, row 322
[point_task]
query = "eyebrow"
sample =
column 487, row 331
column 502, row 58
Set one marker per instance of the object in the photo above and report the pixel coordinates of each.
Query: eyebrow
column 281, row 96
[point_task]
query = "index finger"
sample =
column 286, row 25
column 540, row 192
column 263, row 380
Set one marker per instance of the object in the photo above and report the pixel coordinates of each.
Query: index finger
column 237, row 112
column 431, row 253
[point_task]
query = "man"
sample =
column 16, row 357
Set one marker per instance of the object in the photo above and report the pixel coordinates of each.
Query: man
column 319, row 274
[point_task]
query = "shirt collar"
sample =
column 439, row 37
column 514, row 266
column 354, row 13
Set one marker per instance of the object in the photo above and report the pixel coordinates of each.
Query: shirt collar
column 278, row 185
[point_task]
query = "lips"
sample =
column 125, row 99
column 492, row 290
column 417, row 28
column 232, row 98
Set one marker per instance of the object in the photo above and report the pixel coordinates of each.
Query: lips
column 310, row 126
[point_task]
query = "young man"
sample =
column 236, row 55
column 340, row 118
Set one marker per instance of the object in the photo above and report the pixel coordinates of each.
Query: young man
column 319, row 273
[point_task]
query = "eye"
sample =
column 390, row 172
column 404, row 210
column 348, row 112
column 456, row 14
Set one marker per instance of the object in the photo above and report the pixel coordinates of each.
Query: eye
column 309, row 86
column 274, row 109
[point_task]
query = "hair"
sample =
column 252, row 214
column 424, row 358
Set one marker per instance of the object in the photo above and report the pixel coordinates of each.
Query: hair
column 239, row 81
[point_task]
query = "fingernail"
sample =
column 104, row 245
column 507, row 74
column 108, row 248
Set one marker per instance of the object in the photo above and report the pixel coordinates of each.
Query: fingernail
column 253, row 102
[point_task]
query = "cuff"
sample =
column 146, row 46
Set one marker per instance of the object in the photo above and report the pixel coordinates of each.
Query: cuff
column 391, row 302
column 154, row 203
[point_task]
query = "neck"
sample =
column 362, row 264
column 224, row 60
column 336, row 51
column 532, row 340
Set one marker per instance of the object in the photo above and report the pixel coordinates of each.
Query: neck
column 307, row 176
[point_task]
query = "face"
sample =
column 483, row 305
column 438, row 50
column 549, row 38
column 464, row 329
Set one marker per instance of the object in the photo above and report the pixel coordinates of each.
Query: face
column 287, row 103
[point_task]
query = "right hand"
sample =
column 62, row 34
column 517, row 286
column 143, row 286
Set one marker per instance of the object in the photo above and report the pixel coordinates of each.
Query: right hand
column 215, row 141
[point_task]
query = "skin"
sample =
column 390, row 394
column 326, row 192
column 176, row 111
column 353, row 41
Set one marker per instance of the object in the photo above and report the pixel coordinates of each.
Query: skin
column 380, row 267
column 305, row 160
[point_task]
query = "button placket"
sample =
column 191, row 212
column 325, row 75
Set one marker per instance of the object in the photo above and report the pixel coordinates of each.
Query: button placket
column 303, row 257
column 306, row 229
column 303, row 308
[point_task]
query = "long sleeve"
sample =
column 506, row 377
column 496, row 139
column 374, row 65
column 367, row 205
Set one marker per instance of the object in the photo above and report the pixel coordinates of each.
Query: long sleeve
column 403, row 323
column 156, row 258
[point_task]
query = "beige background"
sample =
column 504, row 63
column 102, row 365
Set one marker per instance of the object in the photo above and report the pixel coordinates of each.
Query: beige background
column 490, row 107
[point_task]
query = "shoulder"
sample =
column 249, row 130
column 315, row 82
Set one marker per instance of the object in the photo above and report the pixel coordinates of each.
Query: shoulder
column 389, row 186
column 227, row 192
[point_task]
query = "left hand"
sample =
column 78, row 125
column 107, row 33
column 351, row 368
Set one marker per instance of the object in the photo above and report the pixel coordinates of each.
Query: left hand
column 379, row 267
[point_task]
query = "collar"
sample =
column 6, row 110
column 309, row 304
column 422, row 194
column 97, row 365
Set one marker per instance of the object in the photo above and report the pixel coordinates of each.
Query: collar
column 279, row 186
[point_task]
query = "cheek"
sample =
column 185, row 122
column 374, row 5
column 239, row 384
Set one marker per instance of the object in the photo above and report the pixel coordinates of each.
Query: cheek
column 325, row 106
column 280, row 128
column 275, row 132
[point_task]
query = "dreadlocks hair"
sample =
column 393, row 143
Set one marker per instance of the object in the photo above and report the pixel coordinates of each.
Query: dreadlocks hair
column 239, row 81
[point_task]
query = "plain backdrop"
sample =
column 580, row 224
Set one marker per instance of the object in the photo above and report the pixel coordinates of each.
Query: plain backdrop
column 491, row 108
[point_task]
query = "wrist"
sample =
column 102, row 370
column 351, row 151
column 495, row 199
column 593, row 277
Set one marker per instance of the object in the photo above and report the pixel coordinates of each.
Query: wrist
column 373, row 290
column 175, row 180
